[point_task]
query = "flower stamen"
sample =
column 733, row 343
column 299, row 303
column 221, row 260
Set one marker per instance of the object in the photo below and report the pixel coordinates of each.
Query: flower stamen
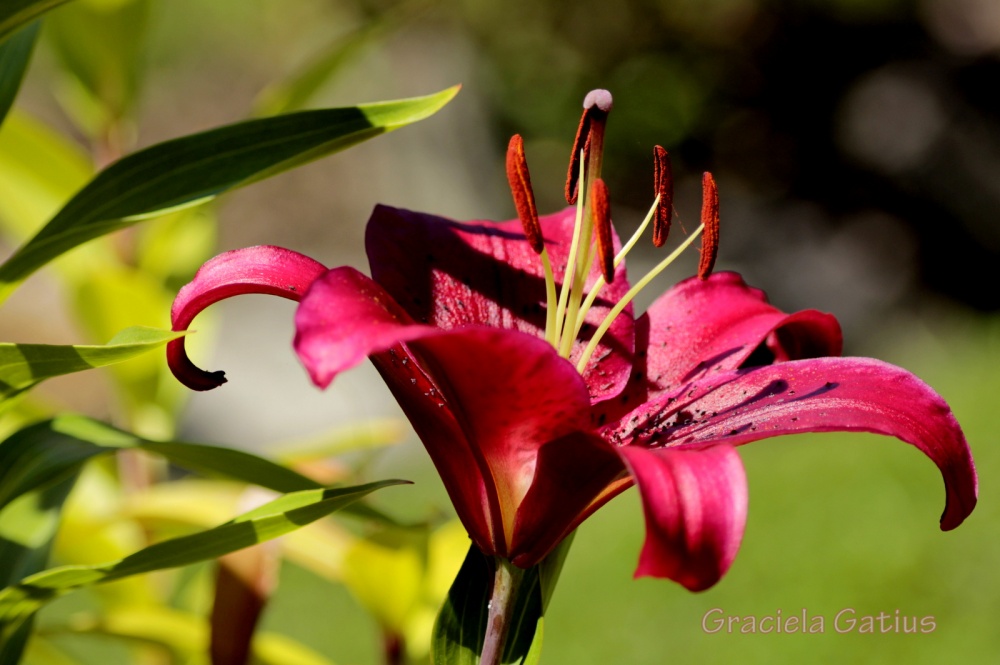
column 620, row 306
column 709, row 222
column 619, row 257
column 569, row 275
column 524, row 201
column 524, row 198
column 663, row 190
column 600, row 206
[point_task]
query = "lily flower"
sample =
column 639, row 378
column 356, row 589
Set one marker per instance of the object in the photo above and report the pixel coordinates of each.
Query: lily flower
column 513, row 350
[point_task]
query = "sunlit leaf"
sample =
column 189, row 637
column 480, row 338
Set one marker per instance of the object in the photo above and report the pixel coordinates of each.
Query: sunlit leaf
column 44, row 452
column 25, row 365
column 39, row 171
column 27, row 530
column 461, row 624
column 15, row 13
column 285, row 514
column 15, row 54
column 192, row 169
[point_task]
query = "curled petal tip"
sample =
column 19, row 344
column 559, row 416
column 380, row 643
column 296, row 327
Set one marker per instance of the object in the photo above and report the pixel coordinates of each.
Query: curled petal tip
column 187, row 372
column 264, row 269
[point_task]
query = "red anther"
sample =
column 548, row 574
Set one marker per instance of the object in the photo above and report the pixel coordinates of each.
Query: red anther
column 524, row 197
column 710, row 218
column 589, row 137
column 600, row 206
column 663, row 187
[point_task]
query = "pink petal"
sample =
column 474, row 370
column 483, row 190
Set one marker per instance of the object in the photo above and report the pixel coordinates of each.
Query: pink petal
column 574, row 476
column 451, row 274
column 817, row 395
column 512, row 395
column 264, row 269
column 720, row 323
column 717, row 323
column 344, row 318
column 695, row 502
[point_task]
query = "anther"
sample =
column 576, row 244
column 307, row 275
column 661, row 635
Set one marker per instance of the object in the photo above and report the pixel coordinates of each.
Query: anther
column 710, row 220
column 600, row 206
column 524, row 197
column 663, row 187
column 589, row 137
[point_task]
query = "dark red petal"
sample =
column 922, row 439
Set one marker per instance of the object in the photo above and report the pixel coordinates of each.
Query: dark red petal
column 451, row 274
column 344, row 318
column 817, row 395
column 264, row 269
column 512, row 395
column 695, row 502
column 574, row 476
column 717, row 323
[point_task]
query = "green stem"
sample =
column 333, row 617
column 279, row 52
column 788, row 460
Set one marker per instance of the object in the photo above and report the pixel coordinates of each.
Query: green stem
column 506, row 581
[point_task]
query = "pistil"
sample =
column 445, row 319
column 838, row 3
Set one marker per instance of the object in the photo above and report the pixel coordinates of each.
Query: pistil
column 592, row 230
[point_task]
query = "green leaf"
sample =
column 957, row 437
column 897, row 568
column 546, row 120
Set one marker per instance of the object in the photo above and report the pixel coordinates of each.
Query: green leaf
column 47, row 451
column 461, row 624
column 27, row 531
column 22, row 366
column 39, row 171
column 15, row 53
column 285, row 514
column 192, row 169
column 15, row 13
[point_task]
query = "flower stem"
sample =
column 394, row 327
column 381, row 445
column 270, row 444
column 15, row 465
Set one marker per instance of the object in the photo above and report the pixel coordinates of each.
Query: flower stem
column 506, row 581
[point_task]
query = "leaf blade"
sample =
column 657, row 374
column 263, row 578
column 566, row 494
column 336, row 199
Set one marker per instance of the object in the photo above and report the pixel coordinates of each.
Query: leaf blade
column 15, row 54
column 15, row 13
column 193, row 169
column 276, row 518
column 22, row 366
column 45, row 452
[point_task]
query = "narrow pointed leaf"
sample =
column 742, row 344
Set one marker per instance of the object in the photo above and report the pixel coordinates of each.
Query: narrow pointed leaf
column 15, row 54
column 283, row 515
column 461, row 625
column 15, row 13
column 192, row 169
column 45, row 452
column 25, row 365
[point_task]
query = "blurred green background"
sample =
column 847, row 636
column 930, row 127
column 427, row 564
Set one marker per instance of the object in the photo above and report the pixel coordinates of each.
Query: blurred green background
column 857, row 149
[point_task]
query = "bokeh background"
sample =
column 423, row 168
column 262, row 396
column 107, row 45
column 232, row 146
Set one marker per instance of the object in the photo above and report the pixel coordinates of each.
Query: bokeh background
column 856, row 144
